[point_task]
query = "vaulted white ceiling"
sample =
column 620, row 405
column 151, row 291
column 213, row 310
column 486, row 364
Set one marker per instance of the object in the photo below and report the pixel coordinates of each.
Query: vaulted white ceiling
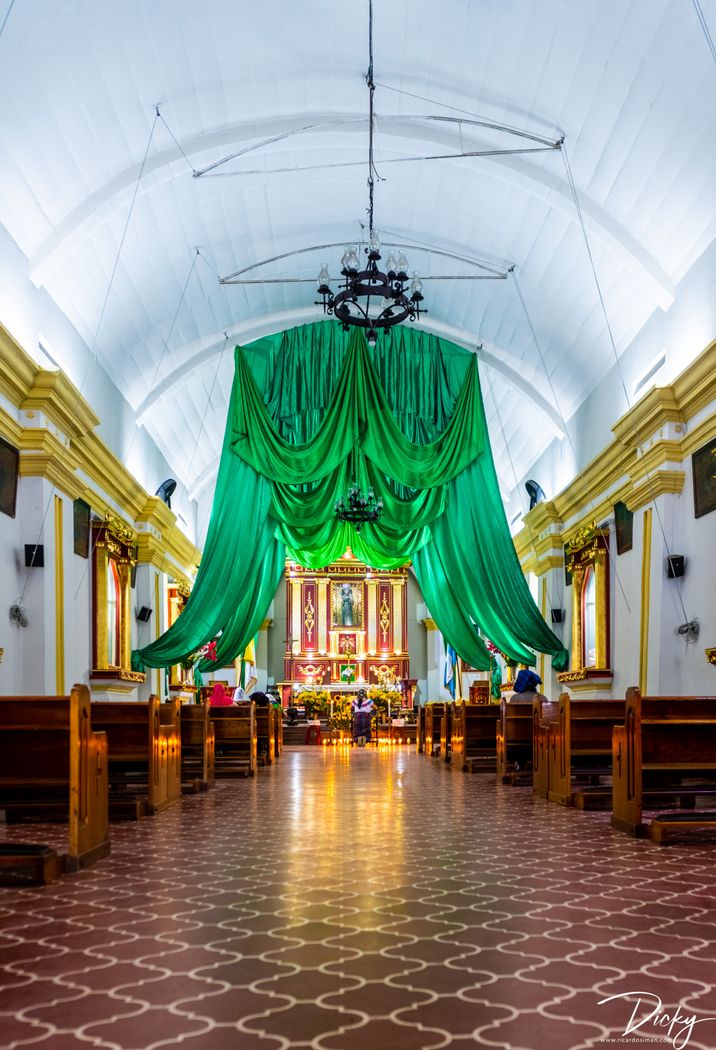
column 280, row 87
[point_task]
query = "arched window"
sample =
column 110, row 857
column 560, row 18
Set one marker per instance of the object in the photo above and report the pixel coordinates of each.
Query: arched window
column 587, row 560
column 114, row 605
column 589, row 618
column 113, row 555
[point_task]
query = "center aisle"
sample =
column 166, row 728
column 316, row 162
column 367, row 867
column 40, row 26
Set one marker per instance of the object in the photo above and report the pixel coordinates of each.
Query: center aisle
column 359, row 900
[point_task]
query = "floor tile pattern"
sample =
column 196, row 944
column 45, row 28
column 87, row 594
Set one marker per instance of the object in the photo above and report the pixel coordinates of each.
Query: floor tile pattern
column 362, row 900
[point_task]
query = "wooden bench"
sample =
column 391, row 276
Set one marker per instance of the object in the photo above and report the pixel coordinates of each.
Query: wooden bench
column 278, row 729
column 664, row 753
column 474, row 737
column 197, row 748
column 420, row 731
column 544, row 716
column 265, row 735
column 433, row 724
column 235, row 740
column 170, row 715
column 580, row 751
column 446, row 731
column 53, row 766
column 514, row 742
column 140, row 753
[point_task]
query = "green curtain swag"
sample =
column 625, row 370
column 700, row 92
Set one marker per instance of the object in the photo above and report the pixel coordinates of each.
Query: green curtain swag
column 314, row 409
column 239, row 538
column 359, row 412
column 314, row 538
column 447, row 611
column 250, row 610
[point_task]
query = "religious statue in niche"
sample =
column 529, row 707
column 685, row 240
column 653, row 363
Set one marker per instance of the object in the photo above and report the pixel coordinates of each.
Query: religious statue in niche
column 347, row 604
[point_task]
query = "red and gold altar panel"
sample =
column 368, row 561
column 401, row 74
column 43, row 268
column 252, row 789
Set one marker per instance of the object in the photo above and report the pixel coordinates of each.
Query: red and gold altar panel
column 345, row 622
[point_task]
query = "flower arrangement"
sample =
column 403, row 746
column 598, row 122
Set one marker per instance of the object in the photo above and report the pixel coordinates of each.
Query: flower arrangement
column 342, row 712
column 494, row 651
column 207, row 652
column 315, row 701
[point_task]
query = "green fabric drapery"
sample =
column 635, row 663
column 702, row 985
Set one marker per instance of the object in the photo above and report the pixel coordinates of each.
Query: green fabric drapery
column 313, row 410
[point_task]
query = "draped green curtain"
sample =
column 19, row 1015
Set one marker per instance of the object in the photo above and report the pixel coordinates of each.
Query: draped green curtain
column 313, row 410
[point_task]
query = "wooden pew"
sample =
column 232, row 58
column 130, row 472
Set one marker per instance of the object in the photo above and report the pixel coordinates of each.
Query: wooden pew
column 139, row 757
column 664, row 753
column 53, row 764
column 544, row 717
column 474, row 736
column 265, row 735
column 446, row 731
column 514, row 742
column 278, row 729
column 197, row 748
column 581, row 749
column 170, row 715
column 433, row 726
column 420, row 731
column 235, row 738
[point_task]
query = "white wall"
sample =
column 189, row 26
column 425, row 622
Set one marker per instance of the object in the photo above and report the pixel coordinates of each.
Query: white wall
column 31, row 316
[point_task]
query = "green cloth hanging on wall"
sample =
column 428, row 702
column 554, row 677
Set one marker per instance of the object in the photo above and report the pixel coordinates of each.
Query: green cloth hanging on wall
column 313, row 410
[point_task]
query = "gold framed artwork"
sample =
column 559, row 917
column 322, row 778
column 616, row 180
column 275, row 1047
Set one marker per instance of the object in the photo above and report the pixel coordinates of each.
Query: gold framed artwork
column 346, row 604
column 9, row 462
column 703, row 464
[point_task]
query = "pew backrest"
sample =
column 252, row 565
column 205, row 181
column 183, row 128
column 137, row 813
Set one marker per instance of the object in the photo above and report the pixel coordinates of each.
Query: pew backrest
column 48, row 748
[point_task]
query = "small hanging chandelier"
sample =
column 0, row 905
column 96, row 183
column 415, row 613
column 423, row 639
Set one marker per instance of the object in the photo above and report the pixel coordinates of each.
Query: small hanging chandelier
column 371, row 298
column 358, row 507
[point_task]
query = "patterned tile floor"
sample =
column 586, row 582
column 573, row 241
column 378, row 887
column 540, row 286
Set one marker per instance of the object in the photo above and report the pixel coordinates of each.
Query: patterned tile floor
column 364, row 900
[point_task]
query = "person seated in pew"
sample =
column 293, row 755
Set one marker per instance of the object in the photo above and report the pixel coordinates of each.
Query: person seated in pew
column 526, row 687
column 219, row 697
column 239, row 696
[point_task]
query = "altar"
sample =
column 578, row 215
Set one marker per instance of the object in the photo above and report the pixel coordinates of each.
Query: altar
column 346, row 626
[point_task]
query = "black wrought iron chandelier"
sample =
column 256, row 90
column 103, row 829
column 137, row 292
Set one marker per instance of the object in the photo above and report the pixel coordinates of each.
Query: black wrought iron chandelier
column 371, row 298
column 358, row 507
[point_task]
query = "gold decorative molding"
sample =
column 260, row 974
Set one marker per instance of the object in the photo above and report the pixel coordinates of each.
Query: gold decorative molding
column 639, row 464
column 119, row 528
column 120, row 675
column 710, row 655
column 586, row 674
column 430, row 624
column 81, row 465
column 657, row 484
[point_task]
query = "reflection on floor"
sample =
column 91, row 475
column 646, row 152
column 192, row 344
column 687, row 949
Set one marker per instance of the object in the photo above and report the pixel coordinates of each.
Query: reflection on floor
column 361, row 899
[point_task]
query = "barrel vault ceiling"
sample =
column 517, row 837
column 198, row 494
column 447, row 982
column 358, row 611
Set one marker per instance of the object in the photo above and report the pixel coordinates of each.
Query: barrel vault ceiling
column 279, row 89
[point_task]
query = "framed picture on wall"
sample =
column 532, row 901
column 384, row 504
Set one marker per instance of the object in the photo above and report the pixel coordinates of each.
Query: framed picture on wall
column 624, row 527
column 81, row 522
column 703, row 463
column 9, row 464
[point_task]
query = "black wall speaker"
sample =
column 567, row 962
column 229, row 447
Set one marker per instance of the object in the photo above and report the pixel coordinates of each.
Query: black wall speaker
column 144, row 614
column 675, row 566
column 34, row 556
column 557, row 616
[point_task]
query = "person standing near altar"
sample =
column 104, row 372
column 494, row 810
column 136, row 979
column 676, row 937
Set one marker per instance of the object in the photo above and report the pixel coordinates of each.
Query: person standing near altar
column 362, row 710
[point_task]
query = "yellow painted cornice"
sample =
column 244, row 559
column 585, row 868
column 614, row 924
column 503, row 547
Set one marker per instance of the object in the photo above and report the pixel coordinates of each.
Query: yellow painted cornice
column 10, row 429
column 657, row 408
column 83, row 466
column 42, row 455
column 17, row 369
column 695, row 388
column 659, row 483
column 640, row 460
column 53, row 394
